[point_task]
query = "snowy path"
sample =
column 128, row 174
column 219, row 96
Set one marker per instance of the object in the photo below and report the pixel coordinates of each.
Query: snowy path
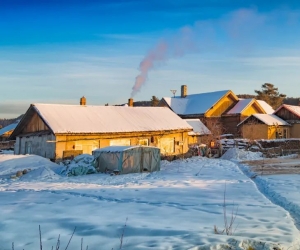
column 281, row 189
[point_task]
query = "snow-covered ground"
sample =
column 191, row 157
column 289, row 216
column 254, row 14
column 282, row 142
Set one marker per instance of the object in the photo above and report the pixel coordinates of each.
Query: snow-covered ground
column 176, row 208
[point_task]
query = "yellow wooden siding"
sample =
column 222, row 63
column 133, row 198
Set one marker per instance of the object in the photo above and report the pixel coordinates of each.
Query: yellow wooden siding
column 250, row 110
column 192, row 139
column 295, row 130
column 221, row 106
column 255, row 131
column 271, row 132
column 263, row 131
column 89, row 142
column 8, row 133
column 197, row 139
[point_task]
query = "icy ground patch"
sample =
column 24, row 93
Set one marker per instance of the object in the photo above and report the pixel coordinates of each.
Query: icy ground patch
column 175, row 208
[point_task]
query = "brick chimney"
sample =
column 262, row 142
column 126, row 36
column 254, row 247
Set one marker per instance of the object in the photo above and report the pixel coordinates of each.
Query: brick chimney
column 183, row 91
column 130, row 102
column 83, row 101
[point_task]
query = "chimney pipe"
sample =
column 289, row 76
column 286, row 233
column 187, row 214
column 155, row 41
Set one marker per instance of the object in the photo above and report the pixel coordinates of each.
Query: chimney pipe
column 130, row 102
column 83, row 101
column 183, row 91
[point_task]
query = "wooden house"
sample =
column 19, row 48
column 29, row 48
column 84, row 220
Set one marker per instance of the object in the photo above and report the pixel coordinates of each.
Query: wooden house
column 208, row 107
column 290, row 114
column 242, row 110
column 220, row 111
column 59, row 131
column 264, row 126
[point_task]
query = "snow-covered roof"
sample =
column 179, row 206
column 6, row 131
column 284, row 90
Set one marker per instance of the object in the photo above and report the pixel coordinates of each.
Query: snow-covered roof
column 244, row 103
column 240, row 106
column 8, row 128
column 115, row 148
column 268, row 119
column 108, row 119
column 198, row 127
column 194, row 104
column 294, row 109
column 266, row 107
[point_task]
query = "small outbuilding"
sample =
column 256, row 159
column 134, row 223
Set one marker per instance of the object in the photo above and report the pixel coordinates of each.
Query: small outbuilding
column 127, row 159
column 290, row 114
column 264, row 126
column 200, row 133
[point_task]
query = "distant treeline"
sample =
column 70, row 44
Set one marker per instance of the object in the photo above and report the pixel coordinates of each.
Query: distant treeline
column 6, row 122
column 288, row 100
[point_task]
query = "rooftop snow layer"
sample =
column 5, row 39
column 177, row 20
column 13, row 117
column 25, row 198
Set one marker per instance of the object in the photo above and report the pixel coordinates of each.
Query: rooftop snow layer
column 268, row 119
column 194, row 104
column 108, row 119
column 8, row 128
column 198, row 127
column 115, row 148
column 240, row 106
column 293, row 109
column 266, row 107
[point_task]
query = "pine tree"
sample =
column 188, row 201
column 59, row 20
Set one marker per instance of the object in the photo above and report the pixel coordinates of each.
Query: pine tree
column 154, row 101
column 270, row 95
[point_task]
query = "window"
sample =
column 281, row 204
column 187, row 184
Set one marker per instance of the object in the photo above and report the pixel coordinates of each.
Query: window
column 285, row 134
column 166, row 145
column 28, row 147
column 143, row 142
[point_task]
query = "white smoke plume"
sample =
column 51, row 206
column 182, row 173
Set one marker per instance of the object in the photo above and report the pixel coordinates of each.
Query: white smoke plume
column 178, row 45
column 239, row 30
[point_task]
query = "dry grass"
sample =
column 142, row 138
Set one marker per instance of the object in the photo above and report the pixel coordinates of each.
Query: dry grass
column 58, row 246
column 228, row 220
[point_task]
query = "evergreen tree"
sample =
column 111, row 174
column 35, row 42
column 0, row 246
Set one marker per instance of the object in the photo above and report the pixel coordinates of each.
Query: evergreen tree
column 154, row 101
column 270, row 95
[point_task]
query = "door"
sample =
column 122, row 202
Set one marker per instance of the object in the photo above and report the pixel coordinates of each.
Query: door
column 28, row 147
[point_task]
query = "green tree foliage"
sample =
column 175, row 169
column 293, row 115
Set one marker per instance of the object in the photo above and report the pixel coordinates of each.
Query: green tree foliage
column 154, row 101
column 270, row 95
column 246, row 96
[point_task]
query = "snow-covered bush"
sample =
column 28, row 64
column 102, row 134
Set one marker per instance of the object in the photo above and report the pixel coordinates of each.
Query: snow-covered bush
column 80, row 165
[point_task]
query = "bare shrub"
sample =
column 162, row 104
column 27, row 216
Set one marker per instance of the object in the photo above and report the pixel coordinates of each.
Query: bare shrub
column 228, row 220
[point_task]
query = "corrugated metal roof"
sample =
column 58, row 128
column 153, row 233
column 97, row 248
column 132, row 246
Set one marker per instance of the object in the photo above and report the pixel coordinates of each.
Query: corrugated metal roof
column 240, row 106
column 293, row 109
column 266, row 107
column 8, row 128
column 198, row 127
column 108, row 119
column 268, row 119
column 194, row 104
column 115, row 148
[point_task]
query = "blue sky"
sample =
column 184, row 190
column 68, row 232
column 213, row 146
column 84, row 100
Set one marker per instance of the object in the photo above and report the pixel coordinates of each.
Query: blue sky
column 55, row 51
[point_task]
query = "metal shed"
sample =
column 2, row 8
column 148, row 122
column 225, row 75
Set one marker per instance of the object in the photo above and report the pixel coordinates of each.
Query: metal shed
column 127, row 159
